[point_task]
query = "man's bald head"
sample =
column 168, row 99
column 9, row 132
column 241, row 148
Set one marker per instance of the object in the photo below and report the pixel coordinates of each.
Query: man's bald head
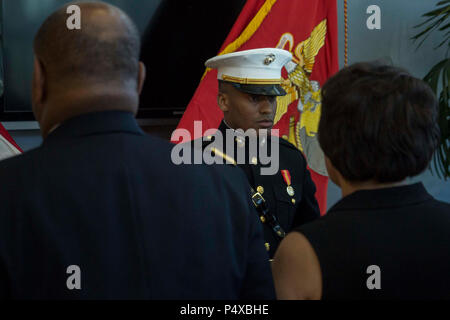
column 105, row 50
column 93, row 69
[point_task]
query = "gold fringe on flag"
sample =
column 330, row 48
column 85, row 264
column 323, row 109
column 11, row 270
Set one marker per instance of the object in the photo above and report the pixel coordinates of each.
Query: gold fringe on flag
column 249, row 31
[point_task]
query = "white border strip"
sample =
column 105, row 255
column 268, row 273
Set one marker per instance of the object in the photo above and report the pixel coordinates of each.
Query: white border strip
column 33, row 125
column 21, row 125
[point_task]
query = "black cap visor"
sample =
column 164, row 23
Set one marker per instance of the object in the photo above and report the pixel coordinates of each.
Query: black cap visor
column 260, row 89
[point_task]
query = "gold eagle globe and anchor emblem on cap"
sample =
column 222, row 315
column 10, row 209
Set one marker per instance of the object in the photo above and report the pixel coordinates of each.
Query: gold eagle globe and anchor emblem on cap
column 269, row 59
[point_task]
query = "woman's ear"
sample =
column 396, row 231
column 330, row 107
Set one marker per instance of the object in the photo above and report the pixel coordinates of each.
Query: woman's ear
column 333, row 173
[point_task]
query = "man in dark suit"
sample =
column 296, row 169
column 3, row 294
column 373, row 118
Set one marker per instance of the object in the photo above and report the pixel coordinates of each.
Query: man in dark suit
column 99, row 211
column 249, row 83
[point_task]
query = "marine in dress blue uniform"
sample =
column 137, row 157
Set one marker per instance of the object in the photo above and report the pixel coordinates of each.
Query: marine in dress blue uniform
column 286, row 199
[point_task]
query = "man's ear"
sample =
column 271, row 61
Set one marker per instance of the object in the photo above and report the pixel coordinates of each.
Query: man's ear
column 141, row 77
column 223, row 101
column 38, row 90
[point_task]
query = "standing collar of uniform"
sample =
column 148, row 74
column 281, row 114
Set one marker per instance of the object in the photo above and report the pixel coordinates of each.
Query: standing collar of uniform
column 96, row 123
column 224, row 127
column 383, row 198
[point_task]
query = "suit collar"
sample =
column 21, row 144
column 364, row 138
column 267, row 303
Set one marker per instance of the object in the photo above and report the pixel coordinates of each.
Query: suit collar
column 383, row 198
column 96, row 123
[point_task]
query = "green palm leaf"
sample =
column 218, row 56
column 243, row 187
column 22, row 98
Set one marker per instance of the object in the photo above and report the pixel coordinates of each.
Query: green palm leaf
column 438, row 79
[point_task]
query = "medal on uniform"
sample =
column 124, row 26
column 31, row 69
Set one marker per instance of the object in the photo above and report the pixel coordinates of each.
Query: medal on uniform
column 287, row 179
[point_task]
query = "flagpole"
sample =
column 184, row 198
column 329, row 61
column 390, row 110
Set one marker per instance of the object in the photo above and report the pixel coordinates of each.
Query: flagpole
column 346, row 35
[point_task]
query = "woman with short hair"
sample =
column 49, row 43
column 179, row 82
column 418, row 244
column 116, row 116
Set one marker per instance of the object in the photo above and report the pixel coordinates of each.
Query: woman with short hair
column 384, row 239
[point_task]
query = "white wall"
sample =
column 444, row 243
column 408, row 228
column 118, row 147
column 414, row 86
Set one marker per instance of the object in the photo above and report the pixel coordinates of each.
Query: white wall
column 392, row 42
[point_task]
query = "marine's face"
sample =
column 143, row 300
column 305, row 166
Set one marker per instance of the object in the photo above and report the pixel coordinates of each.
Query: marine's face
column 247, row 111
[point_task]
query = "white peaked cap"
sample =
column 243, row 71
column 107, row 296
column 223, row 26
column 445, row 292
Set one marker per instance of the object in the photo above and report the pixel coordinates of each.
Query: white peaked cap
column 257, row 66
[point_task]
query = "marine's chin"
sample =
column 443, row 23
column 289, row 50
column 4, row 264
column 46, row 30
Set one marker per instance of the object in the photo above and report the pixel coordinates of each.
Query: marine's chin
column 265, row 125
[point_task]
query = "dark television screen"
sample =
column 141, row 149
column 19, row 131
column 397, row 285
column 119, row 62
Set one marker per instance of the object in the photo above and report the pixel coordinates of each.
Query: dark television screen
column 177, row 38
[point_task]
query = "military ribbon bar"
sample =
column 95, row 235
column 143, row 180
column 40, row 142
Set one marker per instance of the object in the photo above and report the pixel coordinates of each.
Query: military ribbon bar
column 286, row 176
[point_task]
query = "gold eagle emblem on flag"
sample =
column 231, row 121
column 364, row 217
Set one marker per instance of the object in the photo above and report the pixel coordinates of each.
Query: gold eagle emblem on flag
column 308, row 93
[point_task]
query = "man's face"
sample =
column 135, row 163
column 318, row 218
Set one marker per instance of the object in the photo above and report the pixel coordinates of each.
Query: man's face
column 247, row 111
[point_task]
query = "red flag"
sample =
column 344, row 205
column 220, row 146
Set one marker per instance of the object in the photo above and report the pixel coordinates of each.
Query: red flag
column 6, row 135
column 308, row 29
